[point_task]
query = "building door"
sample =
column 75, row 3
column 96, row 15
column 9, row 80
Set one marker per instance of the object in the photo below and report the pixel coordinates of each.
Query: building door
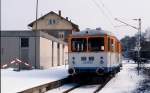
column 24, row 52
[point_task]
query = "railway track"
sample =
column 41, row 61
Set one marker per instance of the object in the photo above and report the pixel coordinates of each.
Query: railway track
column 103, row 84
column 46, row 87
column 67, row 91
column 96, row 84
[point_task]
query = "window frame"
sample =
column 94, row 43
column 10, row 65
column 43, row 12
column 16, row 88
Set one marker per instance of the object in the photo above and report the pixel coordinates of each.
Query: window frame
column 72, row 50
column 99, row 37
column 24, row 42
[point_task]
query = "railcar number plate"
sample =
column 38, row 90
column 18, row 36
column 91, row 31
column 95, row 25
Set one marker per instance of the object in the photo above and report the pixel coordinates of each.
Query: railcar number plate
column 87, row 62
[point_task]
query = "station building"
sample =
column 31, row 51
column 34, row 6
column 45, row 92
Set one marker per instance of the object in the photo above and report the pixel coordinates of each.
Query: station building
column 55, row 25
column 44, row 46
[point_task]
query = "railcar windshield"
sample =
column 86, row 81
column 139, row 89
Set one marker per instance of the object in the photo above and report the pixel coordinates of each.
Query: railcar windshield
column 96, row 44
column 78, row 44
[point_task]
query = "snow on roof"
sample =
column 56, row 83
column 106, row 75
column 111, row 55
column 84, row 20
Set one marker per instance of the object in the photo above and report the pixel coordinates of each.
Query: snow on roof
column 91, row 32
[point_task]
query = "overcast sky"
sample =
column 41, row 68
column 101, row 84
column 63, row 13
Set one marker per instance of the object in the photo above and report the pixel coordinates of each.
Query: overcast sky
column 17, row 14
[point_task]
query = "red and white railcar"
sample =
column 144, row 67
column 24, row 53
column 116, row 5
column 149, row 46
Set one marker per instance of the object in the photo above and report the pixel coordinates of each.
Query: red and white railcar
column 94, row 51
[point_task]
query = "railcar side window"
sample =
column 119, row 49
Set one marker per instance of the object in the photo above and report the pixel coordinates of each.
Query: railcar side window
column 96, row 44
column 112, row 45
column 109, row 47
column 78, row 45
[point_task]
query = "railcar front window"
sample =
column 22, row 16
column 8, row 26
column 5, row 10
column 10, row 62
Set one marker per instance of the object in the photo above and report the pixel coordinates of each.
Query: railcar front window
column 78, row 45
column 96, row 44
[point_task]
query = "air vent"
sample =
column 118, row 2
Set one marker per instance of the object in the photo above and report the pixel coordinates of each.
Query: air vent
column 91, row 58
column 83, row 58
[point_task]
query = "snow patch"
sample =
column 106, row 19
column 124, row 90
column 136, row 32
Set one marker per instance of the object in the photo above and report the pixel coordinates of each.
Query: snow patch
column 125, row 81
column 13, row 81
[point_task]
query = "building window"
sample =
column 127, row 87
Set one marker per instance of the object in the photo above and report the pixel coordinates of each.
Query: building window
column 61, row 35
column 24, row 42
column 52, row 21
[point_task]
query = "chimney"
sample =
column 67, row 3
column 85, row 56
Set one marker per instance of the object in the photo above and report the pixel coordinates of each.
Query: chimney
column 66, row 18
column 59, row 12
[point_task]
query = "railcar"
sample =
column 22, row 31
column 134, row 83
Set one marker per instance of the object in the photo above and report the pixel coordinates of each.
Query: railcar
column 94, row 51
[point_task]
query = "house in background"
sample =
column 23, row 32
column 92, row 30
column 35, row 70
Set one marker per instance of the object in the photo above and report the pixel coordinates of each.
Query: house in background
column 55, row 25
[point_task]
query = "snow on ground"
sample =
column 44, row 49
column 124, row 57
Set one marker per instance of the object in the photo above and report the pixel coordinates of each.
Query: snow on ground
column 144, row 86
column 85, row 89
column 62, row 88
column 126, row 81
column 147, row 65
column 12, row 81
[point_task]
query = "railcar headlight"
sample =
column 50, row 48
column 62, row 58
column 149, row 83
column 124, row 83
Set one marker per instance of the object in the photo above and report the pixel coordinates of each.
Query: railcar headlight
column 101, row 58
column 73, row 58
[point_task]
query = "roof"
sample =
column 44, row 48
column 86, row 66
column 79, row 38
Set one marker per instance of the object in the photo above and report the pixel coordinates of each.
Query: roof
column 29, row 33
column 92, row 32
column 74, row 25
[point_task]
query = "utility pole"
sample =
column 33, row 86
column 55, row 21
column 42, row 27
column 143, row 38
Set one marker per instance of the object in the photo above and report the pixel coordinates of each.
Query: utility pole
column 138, row 40
column 139, row 43
column 36, row 14
column 36, row 31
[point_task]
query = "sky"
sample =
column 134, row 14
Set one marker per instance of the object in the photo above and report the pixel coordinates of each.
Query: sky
column 17, row 14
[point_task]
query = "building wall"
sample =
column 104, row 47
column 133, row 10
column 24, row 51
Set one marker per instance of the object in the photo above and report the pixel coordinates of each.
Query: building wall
column 65, row 54
column 11, row 49
column 55, row 55
column 60, row 23
column 55, row 33
column 39, row 53
column 31, row 53
column 61, row 54
column 45, row 53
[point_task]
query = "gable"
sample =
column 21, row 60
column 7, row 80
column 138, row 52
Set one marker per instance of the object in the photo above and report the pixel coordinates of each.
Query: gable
column 52, row 21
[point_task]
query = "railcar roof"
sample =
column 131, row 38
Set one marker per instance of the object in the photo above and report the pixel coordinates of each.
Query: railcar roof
column 92, row 32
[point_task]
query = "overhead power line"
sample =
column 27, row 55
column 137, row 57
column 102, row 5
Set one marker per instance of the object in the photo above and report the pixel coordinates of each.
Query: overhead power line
column 103, row 12
column 106, row 8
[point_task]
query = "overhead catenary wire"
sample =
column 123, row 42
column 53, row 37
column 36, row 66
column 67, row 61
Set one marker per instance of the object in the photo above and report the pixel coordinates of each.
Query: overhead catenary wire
column 107, row 9
column 103, row 11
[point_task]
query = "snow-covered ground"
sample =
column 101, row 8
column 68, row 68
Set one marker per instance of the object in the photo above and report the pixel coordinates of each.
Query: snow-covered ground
column 12, row 81
column 62, row 88
column 85, row 89
column 126, row 81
